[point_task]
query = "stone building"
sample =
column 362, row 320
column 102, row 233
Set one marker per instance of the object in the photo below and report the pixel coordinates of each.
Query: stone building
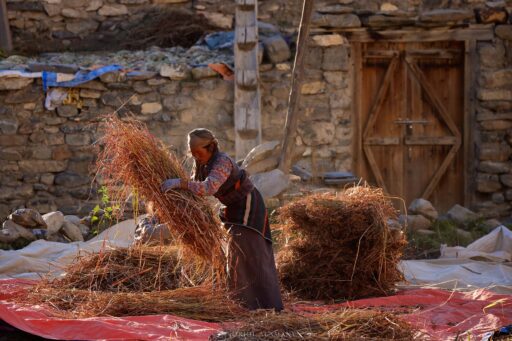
column 414, row 96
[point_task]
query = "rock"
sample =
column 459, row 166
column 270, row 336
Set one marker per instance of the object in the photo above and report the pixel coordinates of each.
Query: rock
column 72, row 13
column 17, row 230
column 494, row 94
column 73, row 219
column 335, row 9
column 491, row 15
column 446, row 15
column 54, row 221
column 423, row 232
column 87, row 93
column 261, row 152
column 496, row 79
column 424, row 208
column 27, row 217
column 336, row 20
column 220, row 20
column 335, row 58
column 151, row 108
column 495, row 151
column 70, row 179
column 175, row 71
column 39, row 233
column 506, row 179
column 312, row 88
column 67, row 110
column 276, row 49
column 56, row 237
column 72, row 231
column 325, row 40
column 383, row 21
column 504, row 31
column 80, row 139
column 317, row 133
column 498, row 198
column 417, row 222
column 270, row 183
column 388, row 7
column 94, row 5
column 461, row 215
column 494, row 167
column 42, row 166
column 8, row 125
column 113, row 10
column 487, row 183
column 84, row 229
column 201, row 72
column 82, row 26
column 491, row 224
column 14, row 83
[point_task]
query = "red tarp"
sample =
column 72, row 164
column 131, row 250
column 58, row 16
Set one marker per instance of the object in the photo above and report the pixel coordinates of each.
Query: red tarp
column 440, row 314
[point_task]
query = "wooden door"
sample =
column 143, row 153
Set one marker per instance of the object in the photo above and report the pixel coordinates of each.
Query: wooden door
column 411, row 107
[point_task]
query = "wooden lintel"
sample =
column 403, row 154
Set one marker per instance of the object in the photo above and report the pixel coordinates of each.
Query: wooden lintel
column 5, row 33
column 364, row 35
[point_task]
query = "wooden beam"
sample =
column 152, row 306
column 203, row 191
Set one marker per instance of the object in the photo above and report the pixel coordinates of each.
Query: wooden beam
column 459, row 34
column 357, row 74
column 292, row 118
column 430, row 140
column 381, row 141
column 5, row 32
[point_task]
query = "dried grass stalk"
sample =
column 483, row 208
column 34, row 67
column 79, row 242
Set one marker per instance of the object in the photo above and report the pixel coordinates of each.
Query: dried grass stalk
column 134, row 161
column 340, row 247
column 346, row 324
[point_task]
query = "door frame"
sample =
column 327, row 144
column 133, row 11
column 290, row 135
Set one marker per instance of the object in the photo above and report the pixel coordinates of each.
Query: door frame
column 469, row 36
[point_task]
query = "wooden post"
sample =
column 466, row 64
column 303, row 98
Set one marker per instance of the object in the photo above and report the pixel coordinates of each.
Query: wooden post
column 297, row 76
column 247, row 108
column 5, row 32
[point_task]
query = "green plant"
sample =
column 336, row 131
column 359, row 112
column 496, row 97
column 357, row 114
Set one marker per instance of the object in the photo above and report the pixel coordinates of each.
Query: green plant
column 104, row 213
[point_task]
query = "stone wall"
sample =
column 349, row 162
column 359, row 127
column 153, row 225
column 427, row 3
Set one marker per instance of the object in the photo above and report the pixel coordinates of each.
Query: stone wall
column 46, row 155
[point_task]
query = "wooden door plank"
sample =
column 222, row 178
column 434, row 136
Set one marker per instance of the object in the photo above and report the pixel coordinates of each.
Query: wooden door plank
column 420, row 77
column 440, row 171
column 375, row 168
column 431, row 140
column 381, row 96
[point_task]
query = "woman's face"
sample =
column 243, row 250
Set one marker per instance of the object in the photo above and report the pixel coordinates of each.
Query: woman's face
column 201, row 155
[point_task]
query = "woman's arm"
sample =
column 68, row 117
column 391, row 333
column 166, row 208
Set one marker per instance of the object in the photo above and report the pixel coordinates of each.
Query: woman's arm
column 218, row 175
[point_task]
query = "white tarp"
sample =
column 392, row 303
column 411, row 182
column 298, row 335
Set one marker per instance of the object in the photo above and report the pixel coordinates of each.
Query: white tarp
column 485, row 263
column 42, row 257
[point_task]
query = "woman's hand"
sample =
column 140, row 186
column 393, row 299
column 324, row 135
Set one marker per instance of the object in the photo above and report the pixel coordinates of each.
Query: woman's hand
column 169, row 184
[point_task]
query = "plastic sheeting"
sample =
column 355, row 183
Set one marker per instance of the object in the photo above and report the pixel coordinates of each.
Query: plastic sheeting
column 42, row 257
column 439, row 314
column 485, row 263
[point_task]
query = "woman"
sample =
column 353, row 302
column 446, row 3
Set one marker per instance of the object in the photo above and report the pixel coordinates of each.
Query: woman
column 252, row 274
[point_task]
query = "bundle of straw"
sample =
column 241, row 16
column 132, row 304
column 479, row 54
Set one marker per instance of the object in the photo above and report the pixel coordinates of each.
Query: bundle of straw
column 345, row 324
column 137, row 269
column 133, row 161
column 199, row 303
column 340, row 247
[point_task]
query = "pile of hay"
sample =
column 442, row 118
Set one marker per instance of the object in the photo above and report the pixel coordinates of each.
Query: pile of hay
column 134, row 162
column 138, row 269
column 345, row 324
column 339, row 246
column 138, row 281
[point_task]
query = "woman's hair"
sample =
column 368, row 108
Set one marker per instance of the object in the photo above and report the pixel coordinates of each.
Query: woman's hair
column 205, row 138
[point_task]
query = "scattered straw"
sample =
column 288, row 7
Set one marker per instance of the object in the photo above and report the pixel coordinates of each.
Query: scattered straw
column 340, row 247
column 346, row 324
column 134, row 161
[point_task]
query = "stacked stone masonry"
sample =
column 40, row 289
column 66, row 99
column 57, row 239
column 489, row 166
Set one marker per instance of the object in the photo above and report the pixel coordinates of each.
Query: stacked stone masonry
column 45, row 155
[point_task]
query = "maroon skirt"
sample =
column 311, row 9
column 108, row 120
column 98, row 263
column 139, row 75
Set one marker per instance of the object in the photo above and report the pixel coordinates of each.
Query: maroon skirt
column 251, row 267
